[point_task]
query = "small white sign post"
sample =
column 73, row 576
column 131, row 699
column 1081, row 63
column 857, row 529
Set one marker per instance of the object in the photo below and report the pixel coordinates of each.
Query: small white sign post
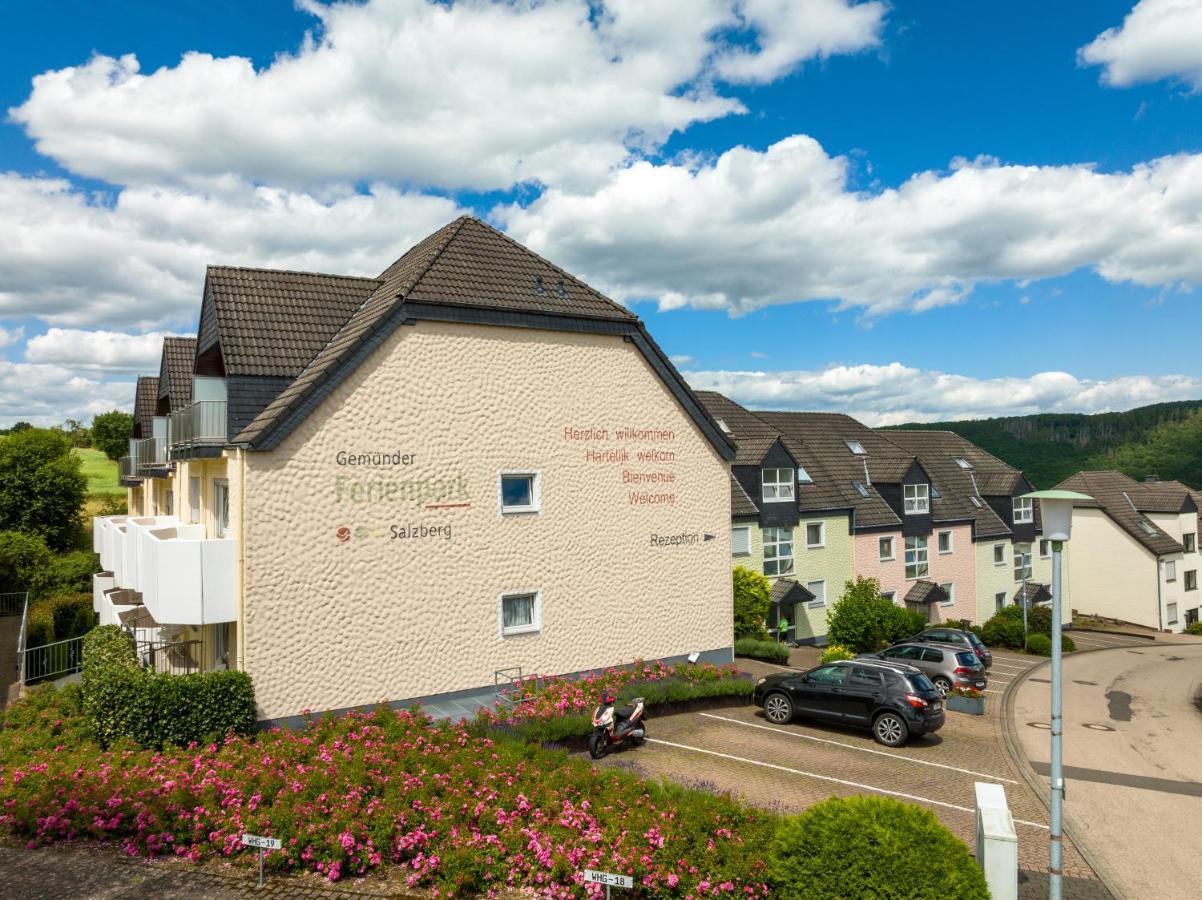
column 261, row 843
column 608, row 879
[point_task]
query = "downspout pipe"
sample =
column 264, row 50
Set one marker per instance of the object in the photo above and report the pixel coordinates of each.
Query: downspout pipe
column 1159, row 601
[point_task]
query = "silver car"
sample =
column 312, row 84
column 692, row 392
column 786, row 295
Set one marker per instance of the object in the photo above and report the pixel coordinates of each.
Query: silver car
column 947, row 665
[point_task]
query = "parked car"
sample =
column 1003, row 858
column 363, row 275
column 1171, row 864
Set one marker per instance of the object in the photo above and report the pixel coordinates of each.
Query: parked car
column 947, row 665
column 893, row 700
column 952, row 636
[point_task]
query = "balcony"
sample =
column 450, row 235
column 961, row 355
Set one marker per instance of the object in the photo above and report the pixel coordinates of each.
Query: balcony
column 152, row 456
column 127, row 470
column 186, row 579
column 199, row 427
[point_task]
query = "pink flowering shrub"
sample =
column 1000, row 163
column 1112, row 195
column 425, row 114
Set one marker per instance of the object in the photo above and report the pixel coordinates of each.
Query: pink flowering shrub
column 456, row 811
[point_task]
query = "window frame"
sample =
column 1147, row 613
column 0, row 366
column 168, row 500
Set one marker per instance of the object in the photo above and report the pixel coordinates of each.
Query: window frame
column 821, row 534
column 1026, row 506
column 1018, row 556
column 1190, row 579
column 1170, row 570
column 1001, row 596
column 1170, row 613
column 536, row 500
column 950, row 587
column 891, row 596
column 536, row 615
column 816, row 603
column 939, row 543
column 1189, row 540
column 746, row 529
column 803, row 477
column 999, row 561
column 892, row 548
column 776, row 544
column 925, row 561
column 221, row 529
column 1045, row 548
column 920, row 503
column 777, row 485
column 856, row 448
column 195, row 490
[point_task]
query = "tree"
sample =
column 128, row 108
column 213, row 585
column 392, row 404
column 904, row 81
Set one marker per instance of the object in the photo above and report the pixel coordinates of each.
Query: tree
column 752, row 592
column 111, row 432
column 863, row 620
column 41, row 486
column 22, row 557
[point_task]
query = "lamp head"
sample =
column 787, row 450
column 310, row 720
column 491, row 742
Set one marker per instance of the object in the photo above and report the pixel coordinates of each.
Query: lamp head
column 1056, row 510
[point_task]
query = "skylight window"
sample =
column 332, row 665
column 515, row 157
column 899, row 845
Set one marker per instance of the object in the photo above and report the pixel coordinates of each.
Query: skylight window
column 856, row 447
column 803, row 477
column 722, row 425
column 935, row 495
column 862, row 489
column 1147, row 527
column 976, row 502
column 962, row 462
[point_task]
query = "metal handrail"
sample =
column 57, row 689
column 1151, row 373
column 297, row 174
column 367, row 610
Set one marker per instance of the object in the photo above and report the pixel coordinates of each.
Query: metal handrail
column 50, row 660
column 21, row 641
column 200, row 424
column 12, row 603
column 171, row 657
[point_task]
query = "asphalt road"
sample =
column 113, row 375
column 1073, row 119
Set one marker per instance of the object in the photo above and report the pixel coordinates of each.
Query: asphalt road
column 1132, row 745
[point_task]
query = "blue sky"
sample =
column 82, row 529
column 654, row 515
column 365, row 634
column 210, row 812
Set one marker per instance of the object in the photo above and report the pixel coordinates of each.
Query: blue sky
column 941, row 304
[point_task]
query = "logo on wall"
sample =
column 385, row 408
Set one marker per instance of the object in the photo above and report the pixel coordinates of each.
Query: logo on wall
column 343, row 534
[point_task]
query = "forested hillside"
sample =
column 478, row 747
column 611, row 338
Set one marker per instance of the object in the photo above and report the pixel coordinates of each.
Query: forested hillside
column 1164, row 439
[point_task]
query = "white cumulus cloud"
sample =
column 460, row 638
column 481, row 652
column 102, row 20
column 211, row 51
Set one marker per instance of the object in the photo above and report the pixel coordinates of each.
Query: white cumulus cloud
column 472, row 94
column 49, row 394
column 753, row 228
column 108, row 351
column 10, row 336
column 1158, row 39
column 894, row 394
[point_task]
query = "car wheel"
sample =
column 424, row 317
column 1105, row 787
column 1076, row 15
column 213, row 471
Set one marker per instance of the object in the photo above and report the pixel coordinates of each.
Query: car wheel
column 889, row 729
column 598, row 745
column 943, row 686
column 778, row 708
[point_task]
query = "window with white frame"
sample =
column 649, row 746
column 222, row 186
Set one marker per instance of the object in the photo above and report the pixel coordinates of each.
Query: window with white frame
column 194, row 499
column 891, row 596
column 815, row 535
column 1024, row 510
column 1191, row 579
column 740, row 540
column 856, row 447
column 950, row 587
column 1022, row 562
column 1171, row 614
column 885, row 549
column 778, row 551
column 1045, row 548
column 916, row 556
column 521, row 613
column 999, row 554
column 1170, row 571
column 818, row 589
column 945, row 542
column 221, row 508
column 778, row 485
column 917, row 499
column 999, row 600
column 518, row 492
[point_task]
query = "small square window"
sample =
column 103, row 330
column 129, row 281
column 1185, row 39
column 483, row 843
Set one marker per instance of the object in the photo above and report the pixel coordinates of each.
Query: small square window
column 945, row 542
column 519, row 492
column 917, row 499
column 999, row 554
column 521, row 613
column 885, row 549
column 891, row 596
column 818, row 589
column 1024, row 510
column 815, row 535
column 951, row 594
column 856, row 447
column 740, row 540
column 777, row 485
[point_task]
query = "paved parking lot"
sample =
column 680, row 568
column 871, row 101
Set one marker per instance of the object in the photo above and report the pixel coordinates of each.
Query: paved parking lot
column 794, row 766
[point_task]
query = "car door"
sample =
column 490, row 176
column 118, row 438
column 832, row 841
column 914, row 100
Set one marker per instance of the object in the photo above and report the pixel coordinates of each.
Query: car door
column 819, row 693
column 907, row 653
column 862, row 693
column 931, row 661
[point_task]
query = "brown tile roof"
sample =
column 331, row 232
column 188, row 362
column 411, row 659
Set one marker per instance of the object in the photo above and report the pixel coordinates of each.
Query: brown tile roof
column 175, row 371
column 787, row 591
column 740, row 503
column 752, row 434
column 926, row 592
column 466, row 263
column 937, row 452
column 274, row 323
column 1126, row 500
column 1033, row 592
column 145, row 396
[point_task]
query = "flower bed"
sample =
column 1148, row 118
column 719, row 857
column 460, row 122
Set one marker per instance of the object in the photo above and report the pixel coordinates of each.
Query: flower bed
column 461, row 813
column 552, row 708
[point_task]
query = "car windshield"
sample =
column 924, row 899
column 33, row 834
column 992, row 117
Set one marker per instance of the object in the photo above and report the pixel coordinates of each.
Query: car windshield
column 920, row 683
column 967, row 659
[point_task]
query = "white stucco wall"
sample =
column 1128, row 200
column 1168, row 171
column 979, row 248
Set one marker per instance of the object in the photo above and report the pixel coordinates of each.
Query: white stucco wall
column 1110, row 573
column 331, row 623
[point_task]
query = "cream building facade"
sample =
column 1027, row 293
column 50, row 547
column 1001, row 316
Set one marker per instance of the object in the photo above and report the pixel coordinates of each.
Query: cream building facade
column 471, row 466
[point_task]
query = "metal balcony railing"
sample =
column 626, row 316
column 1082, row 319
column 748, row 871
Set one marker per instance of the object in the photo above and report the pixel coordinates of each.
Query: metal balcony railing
column 152, row 454
column 127, row 468
column 171, row 657
column 199, row 425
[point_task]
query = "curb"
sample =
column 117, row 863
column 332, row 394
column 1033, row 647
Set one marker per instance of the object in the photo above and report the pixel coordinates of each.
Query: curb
column 1038, row 787
column 1126, row 634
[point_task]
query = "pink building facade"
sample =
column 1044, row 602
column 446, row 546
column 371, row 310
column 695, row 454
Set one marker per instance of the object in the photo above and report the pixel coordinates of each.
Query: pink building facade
column 882, row 555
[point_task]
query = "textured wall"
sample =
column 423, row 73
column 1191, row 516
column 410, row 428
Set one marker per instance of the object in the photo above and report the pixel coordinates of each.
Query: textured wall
column 1110, row 574
column 331, row 624
column 957, row 567
column 991, row 579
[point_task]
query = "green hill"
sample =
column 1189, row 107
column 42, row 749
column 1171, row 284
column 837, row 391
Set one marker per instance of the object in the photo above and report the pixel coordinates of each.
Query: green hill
column 1163, row 439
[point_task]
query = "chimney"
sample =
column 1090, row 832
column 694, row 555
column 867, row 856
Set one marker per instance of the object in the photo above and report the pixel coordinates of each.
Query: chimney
column 1151, row 479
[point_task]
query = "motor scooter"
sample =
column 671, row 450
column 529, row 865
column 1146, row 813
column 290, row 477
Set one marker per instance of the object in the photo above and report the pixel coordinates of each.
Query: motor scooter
column 612, row 726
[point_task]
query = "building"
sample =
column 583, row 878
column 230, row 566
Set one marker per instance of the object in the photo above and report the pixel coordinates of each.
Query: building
column 1011, row 559
column 417, row 485
column 1135, row 550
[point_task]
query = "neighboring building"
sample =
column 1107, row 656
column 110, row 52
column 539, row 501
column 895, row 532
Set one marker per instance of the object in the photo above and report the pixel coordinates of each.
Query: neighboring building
column 1010, row 555
column 1135, row 550
column 412, row 486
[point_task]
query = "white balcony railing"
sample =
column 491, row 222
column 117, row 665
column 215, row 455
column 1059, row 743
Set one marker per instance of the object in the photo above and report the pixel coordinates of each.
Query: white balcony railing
column 201, row 424
column 186, row 579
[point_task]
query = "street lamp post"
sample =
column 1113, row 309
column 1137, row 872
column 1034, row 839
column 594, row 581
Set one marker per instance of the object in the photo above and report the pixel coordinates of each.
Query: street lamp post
column 1056, row 508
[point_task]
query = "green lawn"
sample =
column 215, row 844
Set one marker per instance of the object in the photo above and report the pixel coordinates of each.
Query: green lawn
column 101, row 472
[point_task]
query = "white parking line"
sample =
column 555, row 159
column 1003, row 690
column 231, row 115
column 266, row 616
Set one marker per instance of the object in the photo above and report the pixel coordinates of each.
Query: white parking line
column 809, row 737
column 852, row 784
column 993, row 692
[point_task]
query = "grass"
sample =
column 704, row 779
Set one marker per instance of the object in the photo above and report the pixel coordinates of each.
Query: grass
column 100, row 471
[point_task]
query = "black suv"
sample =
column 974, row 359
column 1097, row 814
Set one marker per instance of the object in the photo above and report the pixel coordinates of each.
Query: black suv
column 952, row 636
column 894, row 700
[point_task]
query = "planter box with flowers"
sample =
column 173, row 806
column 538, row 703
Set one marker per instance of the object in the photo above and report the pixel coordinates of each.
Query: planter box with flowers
column 966, row 700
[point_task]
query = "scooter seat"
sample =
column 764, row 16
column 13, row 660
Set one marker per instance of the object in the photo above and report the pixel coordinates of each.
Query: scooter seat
column 624, row 712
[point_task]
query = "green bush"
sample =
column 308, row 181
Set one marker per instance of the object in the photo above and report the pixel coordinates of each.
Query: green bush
column 770, row 651
column 871, row 847
column 833, row 652
column 44, row 718
column 68, row 573
column 1193, row 628
column 124, row 701
column 1041, row 644
column 751, row 601
column 59, row 618
column 863, row 621
column 22, row 557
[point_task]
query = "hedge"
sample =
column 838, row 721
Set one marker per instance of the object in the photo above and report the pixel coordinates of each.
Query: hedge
column 871, row 847
column 1193, row 628
column 59, row 618
column 769, row 651
column 1041, row 644
column 124, row 701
